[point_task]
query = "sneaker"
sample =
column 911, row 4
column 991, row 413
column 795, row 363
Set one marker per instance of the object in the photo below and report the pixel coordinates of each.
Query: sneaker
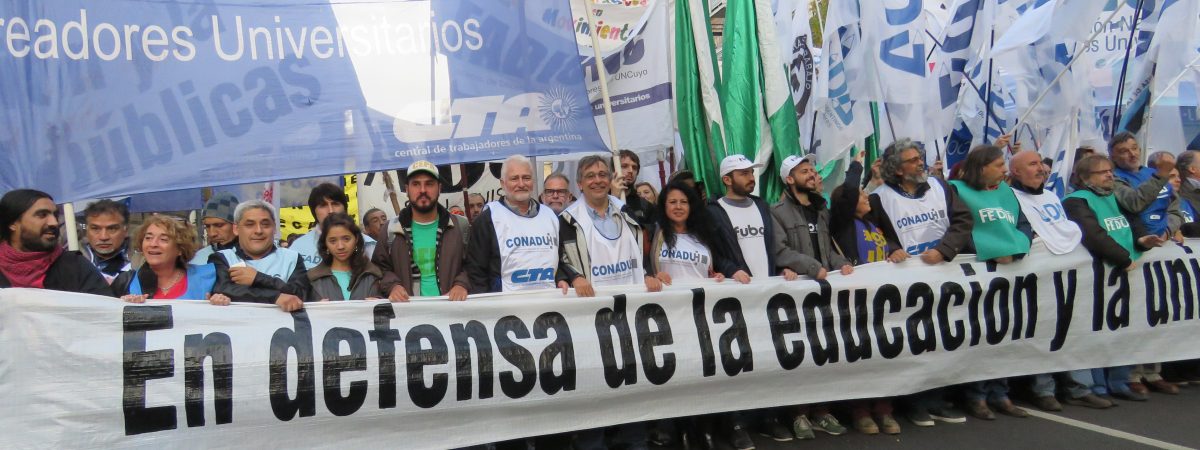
column 1009, row 409
column 771, row 428
column 740, row 439
column 948, row 415
column 1132, row 396
column 1163, row 387
column 829, row 424
column 920, row 418
column 866, row 425
column 1048, row 403
column 803, row 428
column 889, row 425
column 979, row 410
column 1091, row 401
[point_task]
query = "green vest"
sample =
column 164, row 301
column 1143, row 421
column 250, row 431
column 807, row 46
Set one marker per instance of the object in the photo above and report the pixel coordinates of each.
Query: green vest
column 1110, row 218
column 995, row 231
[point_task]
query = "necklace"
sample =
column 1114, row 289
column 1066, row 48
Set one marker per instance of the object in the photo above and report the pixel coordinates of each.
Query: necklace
column 174, row 280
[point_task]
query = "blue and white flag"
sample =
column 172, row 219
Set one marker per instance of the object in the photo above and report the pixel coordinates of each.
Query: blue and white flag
column 113, row 97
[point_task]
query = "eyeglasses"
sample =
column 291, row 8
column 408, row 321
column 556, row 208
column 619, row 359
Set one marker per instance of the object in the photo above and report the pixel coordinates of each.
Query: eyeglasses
column 558, row 192
column 913, row 160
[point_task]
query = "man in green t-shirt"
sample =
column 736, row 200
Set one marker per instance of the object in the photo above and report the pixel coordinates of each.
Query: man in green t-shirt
column 428, row 247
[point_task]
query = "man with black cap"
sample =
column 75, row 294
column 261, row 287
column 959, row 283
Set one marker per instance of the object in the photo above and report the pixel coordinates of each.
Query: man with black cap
column 30, row 256
column 427, row 253
column 218, row 226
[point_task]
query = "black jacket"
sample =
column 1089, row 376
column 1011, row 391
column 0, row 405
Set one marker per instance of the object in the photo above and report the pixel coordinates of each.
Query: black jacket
column 71, row 273
column 1096, row 239
column 957, row 238
column 719, row 215
column 841, row 214
column 265, row 288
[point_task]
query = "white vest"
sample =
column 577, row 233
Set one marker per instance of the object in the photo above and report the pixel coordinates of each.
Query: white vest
column 528, row 248
column 689, row 260
column 920, row 223
column 279, row 264
column 751, row 235
column 614, row 261
column 1049, row 220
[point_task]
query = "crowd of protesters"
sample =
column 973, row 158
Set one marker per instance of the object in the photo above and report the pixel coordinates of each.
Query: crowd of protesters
column 995, row 205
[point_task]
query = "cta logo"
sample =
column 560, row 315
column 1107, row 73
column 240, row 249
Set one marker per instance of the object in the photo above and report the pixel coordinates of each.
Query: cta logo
column 521, row 276
column 556, row 109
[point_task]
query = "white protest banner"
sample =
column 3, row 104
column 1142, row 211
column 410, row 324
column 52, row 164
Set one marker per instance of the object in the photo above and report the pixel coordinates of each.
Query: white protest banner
column 639, row 85
column 85, row 371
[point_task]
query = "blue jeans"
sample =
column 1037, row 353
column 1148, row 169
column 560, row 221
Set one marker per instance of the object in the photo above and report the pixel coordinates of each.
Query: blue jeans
column 1092, row 379
column 992, row 391
column 1044, row 385
column 1118, row 379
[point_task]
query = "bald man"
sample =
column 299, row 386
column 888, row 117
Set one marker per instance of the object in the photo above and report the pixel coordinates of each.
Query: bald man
column 1061, row 235
column 1042, row 207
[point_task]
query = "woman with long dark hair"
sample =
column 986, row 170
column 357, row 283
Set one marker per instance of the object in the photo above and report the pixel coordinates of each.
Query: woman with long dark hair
column 686, row 245
column 344, row 272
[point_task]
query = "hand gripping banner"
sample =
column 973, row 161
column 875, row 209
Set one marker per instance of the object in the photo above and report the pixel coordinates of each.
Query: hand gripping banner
column 84, row 371
column 116, row 97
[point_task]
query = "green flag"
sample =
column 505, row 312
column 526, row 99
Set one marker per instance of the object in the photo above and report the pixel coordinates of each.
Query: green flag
column 698, row 103
column 761, row 118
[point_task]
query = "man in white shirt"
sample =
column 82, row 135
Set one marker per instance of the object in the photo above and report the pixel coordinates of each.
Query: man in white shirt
column 744, row 217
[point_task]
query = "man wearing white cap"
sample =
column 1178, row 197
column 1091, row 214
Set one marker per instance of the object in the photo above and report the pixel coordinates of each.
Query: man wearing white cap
column 745, row 217
column 802, row 242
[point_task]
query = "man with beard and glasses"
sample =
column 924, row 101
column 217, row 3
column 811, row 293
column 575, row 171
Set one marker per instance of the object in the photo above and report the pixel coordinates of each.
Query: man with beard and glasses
column 515, row 240
column 919, row 216
column 107, row 243
column 556, row 192
column 427, row 254
column 1114, row 235
column 29, row 253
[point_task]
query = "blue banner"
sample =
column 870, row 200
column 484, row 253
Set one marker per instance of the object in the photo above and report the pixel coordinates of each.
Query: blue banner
column 116, row 97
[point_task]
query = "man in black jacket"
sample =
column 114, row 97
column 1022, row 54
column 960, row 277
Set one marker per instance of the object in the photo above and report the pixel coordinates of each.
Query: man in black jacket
column 29, row 253
column 257, row 270
column 735, row 214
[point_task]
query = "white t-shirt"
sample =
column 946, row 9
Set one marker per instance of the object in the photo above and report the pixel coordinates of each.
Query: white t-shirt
column 751, row 234
column 688, row 260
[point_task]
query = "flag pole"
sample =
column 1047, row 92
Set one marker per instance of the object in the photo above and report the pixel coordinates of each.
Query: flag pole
column 987, row 106
column 71, row 226
column 602, row 74
column 1137, row 15
column 1066, row 69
